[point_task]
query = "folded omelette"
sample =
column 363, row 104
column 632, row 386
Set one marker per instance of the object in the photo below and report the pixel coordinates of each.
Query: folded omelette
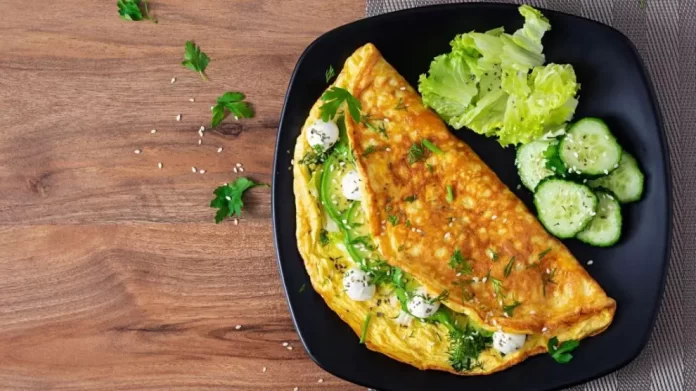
column 417, row 245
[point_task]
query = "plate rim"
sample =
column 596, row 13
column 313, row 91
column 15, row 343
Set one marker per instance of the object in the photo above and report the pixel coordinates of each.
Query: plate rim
column 667, row 172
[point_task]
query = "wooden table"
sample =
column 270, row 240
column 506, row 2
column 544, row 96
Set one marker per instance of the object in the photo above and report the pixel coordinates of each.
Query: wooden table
column 113, row 275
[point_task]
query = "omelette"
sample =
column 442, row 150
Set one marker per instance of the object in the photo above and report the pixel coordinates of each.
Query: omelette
column 417, row 245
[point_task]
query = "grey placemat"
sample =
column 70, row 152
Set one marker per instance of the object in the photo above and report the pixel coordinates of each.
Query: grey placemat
column 665, row 33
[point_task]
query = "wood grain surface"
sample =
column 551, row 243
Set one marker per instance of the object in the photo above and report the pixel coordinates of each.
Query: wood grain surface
column 113, row 275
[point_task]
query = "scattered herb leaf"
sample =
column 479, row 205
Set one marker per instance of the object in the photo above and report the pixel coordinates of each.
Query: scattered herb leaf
column 432, row 147
column 393, row 219
column 546, row 279
column 460, row 264
column 493, row 255
column 130, row 10
column 365, row 325
column 230, row 102
column 324, row 237
column 415, row 153
column 510, row 308
column 543, row 253
column 195, row 59
column 303, row 287
column 450, row 194
column 411, row 198
column 400, row 105
column 334, row 98
column 430, row 167
column 466, row 346
column 330, row 73
column 561, row 352
column 508, row 267
column 370, row 149
column 228, row 198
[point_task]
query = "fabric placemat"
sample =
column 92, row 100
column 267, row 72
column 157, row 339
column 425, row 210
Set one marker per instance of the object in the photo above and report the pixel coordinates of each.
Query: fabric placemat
column 664, row 31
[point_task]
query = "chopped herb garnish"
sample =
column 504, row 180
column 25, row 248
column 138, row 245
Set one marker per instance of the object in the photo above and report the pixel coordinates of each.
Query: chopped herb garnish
column 460, row 264
column 432, row 147
column 429, row 166
column 334, row 98
column 497, row 284
column 508, row 267
column 408, row 223
column 532, row 265
column 366, row 323
column 561, row 353
column 442, row 296
column 228, row 198
column 450, row 194
column 393, row 219
column 366, row 241
column 314, row 157
column 381, row 129
column 195, row 59
column 411, row 198
column 546, row 279
column 324, row 237
column 303, row 287
column 510, row 308
column 465, row 347
column 415, row 154
column 130, row 10
column 330, row 73
column 370, row 149
column 543, row 253
column 400, row 105
column 493, row 255
column 231, row 102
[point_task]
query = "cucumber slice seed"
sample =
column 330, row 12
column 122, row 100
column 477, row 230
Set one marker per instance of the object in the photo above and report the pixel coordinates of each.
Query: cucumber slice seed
column 589, row 148
column 626, row 182
column 564, row 207
column 605, row 228
column 531, row 163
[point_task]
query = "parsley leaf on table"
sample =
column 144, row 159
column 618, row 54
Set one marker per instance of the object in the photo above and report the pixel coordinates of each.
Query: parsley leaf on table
column 228, row 198
column 195, row 59
column 232, row 102
column 334, row 98
column 561, row 353
column 130, row 10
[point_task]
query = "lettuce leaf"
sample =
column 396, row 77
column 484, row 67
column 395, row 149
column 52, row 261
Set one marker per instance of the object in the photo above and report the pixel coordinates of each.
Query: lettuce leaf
column 496, row 84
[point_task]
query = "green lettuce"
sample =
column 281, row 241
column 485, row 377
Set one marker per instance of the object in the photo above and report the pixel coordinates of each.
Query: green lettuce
column 496, row 84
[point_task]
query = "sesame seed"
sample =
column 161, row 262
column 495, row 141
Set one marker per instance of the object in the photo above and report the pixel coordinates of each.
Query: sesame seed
column 200, row 141
column 159, row 165
column 237, row 327
column 289, row 347
column 519, row 187
column 192, row 100
column 137, row 151
column 616, row 166
column 241, row 169
column 236, row 221
column 201, row 129
column 590, row 262
column 285, row 344
column 239, row 164
column 264, row 369
column 459, row 274
column 532, row 312
column 193, row 170
column 173, row 80
column 296, row 389
column 153, row 131
column 545, row 329
column 212, row 107
column 228, row 198
column 201, row 171
column 548, row 271
column 235, row 169
column 388, row 149
column 219, row 149
column 484, row 279
column 494, row 217
column 448, row 235
column 178, row 117
column 320, row 381
column 576, row 154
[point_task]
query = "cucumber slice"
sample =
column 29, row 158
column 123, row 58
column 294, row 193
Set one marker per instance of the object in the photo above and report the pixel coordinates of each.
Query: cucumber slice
column 531, row 163
column 589, row 148
column 626, row 182
column 564, row 207
column 605, row 228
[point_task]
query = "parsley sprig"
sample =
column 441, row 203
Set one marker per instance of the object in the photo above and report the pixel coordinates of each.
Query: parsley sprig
column 195, row 59
column 334, row 98
column 130, row 10
column 510, row 308
column 230, row 102
column 228, row 198
column 561, row 352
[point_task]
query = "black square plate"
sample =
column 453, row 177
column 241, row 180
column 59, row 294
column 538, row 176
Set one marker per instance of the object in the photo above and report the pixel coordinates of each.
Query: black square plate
column 615, row 87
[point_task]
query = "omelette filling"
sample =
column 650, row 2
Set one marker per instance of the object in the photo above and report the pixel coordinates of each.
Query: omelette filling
column 336, row 185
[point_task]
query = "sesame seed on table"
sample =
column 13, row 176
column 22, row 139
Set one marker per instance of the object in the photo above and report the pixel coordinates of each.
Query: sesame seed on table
column 113, row 272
